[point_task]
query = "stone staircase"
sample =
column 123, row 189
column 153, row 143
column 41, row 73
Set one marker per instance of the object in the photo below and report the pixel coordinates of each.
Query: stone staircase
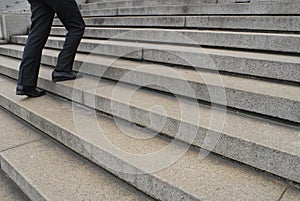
column 180, row 100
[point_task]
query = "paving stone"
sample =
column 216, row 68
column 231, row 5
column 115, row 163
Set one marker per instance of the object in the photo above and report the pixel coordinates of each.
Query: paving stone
column 292, row 194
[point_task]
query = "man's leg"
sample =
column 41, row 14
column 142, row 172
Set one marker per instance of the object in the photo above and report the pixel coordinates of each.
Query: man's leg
column 69, row 14
column 42, row 17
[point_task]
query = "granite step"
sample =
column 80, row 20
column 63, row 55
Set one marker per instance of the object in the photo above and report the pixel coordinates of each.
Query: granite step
column 223, row 39
column 242, row 93
column 234, row 135
column 9, row 191
column 126, row 150
column 275, row 66
column 242, row 23
column 95, row 1
column 7, row 3
column 45, row 170
column 139, row 3
column 210, row 1
column 24, row 5
column 260, row 8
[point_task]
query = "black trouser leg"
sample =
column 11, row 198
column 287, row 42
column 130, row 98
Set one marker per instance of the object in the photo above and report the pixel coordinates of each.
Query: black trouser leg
column 42, row 17
column 69, row 14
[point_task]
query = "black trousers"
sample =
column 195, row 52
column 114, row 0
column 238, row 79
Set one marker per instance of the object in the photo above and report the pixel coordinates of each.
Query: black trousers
column 43, row 12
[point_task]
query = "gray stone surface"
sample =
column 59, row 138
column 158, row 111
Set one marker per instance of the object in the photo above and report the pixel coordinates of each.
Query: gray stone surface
column 8, row 3
column 263, row 23
column 262, row 99
column 247, row 141
column 102, row 12
column 280, row 23
column 12, row 134
column 264, row 65
column 260, row 8
column 9, row 191
column 13, row 23
column 130, row 3
column 276, row 66
column 153, row 21
column 1, row 32
column 47, row 171
column 212, row 178
column 242, row 40
column 246, row 94
column 292, row 194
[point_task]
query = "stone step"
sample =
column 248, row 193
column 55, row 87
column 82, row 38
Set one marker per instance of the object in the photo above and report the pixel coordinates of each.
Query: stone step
column 94, row 1
column 227, row 39
column 24, row 5
column 242, row 23
column 275, row 66
column 141, row 158
column 9, row 191
column 260, row 8
column 45, row 170
column 19, row 7
column 210, row 1
column 7, row 3
column 17, row 10
column 242, row 93
column 234, row 135
column 139, row 3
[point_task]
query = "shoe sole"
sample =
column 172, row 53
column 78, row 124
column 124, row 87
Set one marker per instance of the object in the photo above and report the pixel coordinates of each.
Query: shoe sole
column 21, row 93
column 60, row 79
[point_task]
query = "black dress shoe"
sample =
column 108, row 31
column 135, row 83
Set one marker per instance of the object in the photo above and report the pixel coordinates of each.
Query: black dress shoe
column 29, row 91
column 58, row 76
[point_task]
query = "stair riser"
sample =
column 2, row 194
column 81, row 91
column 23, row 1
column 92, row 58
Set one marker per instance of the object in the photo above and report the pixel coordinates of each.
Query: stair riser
column 102, row 12
column 264, row 158
column 116, row 4
column 206, row 9
column 259, row 23
column 281, row 43
column 167, row 21
column 262, row 23
column 258, row 103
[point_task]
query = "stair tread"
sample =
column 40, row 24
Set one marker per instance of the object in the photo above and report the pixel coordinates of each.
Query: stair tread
column 256, row 131
column 286, row 109
column 55, row 173
column 9, row 191
column 209, row 174
column 254, row 63
column 228, row 39
column 210, row 51
column 265, row 8
column 255, row 86
column 251, row 85
column 262, row 23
